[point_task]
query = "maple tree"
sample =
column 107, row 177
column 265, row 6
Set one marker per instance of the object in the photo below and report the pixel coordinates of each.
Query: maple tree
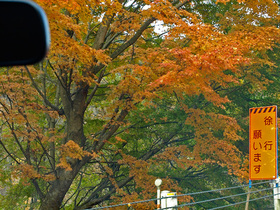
column 96, row 118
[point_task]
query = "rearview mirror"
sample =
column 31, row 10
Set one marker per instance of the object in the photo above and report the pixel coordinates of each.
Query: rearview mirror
column 24, row 33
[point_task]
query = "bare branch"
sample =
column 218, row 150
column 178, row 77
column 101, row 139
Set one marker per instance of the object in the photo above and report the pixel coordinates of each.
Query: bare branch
column 46, row 101
column 8, row 153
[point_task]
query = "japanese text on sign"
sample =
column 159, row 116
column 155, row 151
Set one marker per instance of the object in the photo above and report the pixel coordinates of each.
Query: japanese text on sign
column 263, row 143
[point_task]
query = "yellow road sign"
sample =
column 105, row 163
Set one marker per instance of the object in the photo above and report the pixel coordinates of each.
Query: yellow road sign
column 263, row 143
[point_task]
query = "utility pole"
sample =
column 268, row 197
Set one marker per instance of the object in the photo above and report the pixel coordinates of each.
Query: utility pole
column 276, row 194
column 248, row 195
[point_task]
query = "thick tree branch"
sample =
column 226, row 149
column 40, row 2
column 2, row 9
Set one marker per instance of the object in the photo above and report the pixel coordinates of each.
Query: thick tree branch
column 38, row 189
column 123, row 47
column 95, row 88
column 133, row 39
column 110, row 130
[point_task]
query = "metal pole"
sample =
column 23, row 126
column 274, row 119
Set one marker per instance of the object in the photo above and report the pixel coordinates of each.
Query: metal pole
column 276, row 195
column 158, row 197
column 248, row 199
column 248, row 195
column 158, row 182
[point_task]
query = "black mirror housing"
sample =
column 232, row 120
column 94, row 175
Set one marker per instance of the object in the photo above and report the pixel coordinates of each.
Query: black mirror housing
column 24, row 33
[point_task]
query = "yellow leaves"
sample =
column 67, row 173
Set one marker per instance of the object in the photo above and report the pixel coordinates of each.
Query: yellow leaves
column 101, row 56
column 226, row 1
column 194, row 72
column 27, row 172
column 73, row 6
column 120, row 139
column 130, row 24
column 214, row 136
column 52, row 136
column 69, row 152
column 139, row 168
column 112, row 7
column 49, row 177
column 184, row 70
column 262, row 39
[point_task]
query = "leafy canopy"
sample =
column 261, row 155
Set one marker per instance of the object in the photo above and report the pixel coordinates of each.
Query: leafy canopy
column 116, row 104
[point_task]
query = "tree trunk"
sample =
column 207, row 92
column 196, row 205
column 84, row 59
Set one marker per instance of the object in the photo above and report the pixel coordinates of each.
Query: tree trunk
column 74, row 112
column 58, row 189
